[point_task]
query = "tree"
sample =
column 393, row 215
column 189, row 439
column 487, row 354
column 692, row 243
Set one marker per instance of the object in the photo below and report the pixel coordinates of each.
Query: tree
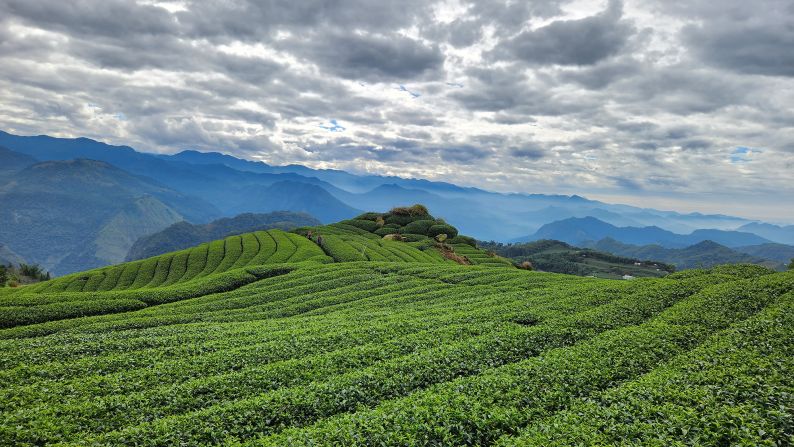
column 3, row 275
column 791, row 265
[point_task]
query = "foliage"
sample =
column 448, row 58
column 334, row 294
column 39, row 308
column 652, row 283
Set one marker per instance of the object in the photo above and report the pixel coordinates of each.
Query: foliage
column 559, row 257
column 419, row 226
column 251, row 341
column 414, row 211
column 385, row 231
column 705, row 254
column 367, row 225
column 461, row 239
column 369, row 216
column 449, row 230
column 409, row 237
column 184, row 235
column 14, row 275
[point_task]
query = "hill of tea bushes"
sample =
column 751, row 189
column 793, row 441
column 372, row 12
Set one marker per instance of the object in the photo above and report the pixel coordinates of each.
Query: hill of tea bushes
column 348, row 337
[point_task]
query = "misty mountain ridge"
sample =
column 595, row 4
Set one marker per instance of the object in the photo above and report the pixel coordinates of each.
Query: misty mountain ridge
column 587, row 230
column 704, row 254
column 77, row 214
column 198, row 187
column 782, row 234
column 216, row 177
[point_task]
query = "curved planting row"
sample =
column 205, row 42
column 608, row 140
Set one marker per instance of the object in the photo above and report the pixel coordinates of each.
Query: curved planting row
column 250, row 249
column 409, row 353
column 348, row 247
column 480, row 257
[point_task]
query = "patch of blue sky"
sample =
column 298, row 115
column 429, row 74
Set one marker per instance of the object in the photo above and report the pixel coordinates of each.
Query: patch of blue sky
column 743, row 154
column 333, row 126
column 403, row 88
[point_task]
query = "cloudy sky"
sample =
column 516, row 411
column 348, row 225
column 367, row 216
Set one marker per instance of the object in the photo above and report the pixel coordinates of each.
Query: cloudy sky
column 676, row 104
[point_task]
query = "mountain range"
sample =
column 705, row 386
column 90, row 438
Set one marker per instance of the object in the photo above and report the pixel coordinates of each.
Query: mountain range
column 780, row 234
column 63, row 198
column 704, row 254
column 582, row 231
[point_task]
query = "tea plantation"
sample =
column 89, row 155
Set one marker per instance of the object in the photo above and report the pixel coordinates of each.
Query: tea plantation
column 392, row 333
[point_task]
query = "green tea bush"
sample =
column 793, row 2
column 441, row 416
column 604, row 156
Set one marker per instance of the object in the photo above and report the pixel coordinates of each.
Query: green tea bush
column 419, row 226
column 369, row 216
column 386, row 230
column 392, row 344
column 460, row 239
column 368, row 225
column 449, row 230
column 409, row 237
column 415, row 210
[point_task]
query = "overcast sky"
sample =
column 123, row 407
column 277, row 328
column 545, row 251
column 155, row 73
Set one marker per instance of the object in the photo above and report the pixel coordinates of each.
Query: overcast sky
column 676, row 104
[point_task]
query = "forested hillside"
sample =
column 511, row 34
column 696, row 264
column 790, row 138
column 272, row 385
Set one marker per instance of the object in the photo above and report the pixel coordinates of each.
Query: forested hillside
column 559, row 257
column 378, row 331
column 701, row 255
column 74, row 215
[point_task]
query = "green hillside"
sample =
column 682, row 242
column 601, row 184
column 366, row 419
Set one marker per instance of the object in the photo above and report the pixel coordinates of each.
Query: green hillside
column 404, row 234
column 559, row 257
column 705, row 254
column 271, row 339
column 183, row 234
column 75, row 215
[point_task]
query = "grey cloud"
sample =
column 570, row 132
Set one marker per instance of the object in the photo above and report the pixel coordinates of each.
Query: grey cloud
column 530, row 151
column 627, row 183
column 602, row 74
column 371, row 57
column 740, row 36
column 752, row 47
column 571, row 42
column 508, row 17
column 254, row 20
column 117, row 18
column 463, row 153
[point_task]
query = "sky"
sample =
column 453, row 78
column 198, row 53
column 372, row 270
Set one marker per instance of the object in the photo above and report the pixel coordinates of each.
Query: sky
column 674, row 104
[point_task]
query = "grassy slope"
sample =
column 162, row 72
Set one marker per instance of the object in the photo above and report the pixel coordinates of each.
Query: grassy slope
column 264, row 341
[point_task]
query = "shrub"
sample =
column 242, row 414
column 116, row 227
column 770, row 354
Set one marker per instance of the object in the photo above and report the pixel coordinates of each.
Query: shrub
column 419, row 226
column 449, row 230
column 368, row 225
column 400, row 220
column 385, row 230
column 394, row 237
column 460, row 239
column 410, row 237
column 526, row 265
column 415, row 210
column 369, row 216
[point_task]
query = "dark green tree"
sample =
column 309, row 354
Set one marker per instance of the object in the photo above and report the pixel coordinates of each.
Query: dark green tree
column 791, row 265
column 3, row 275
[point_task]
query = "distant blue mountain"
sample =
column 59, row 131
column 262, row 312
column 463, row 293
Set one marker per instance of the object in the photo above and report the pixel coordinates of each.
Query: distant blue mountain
column 232, row 186
column 587, row 230
column 775, row 233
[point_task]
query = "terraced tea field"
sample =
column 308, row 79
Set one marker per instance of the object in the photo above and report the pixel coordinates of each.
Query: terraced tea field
column 274, row 339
